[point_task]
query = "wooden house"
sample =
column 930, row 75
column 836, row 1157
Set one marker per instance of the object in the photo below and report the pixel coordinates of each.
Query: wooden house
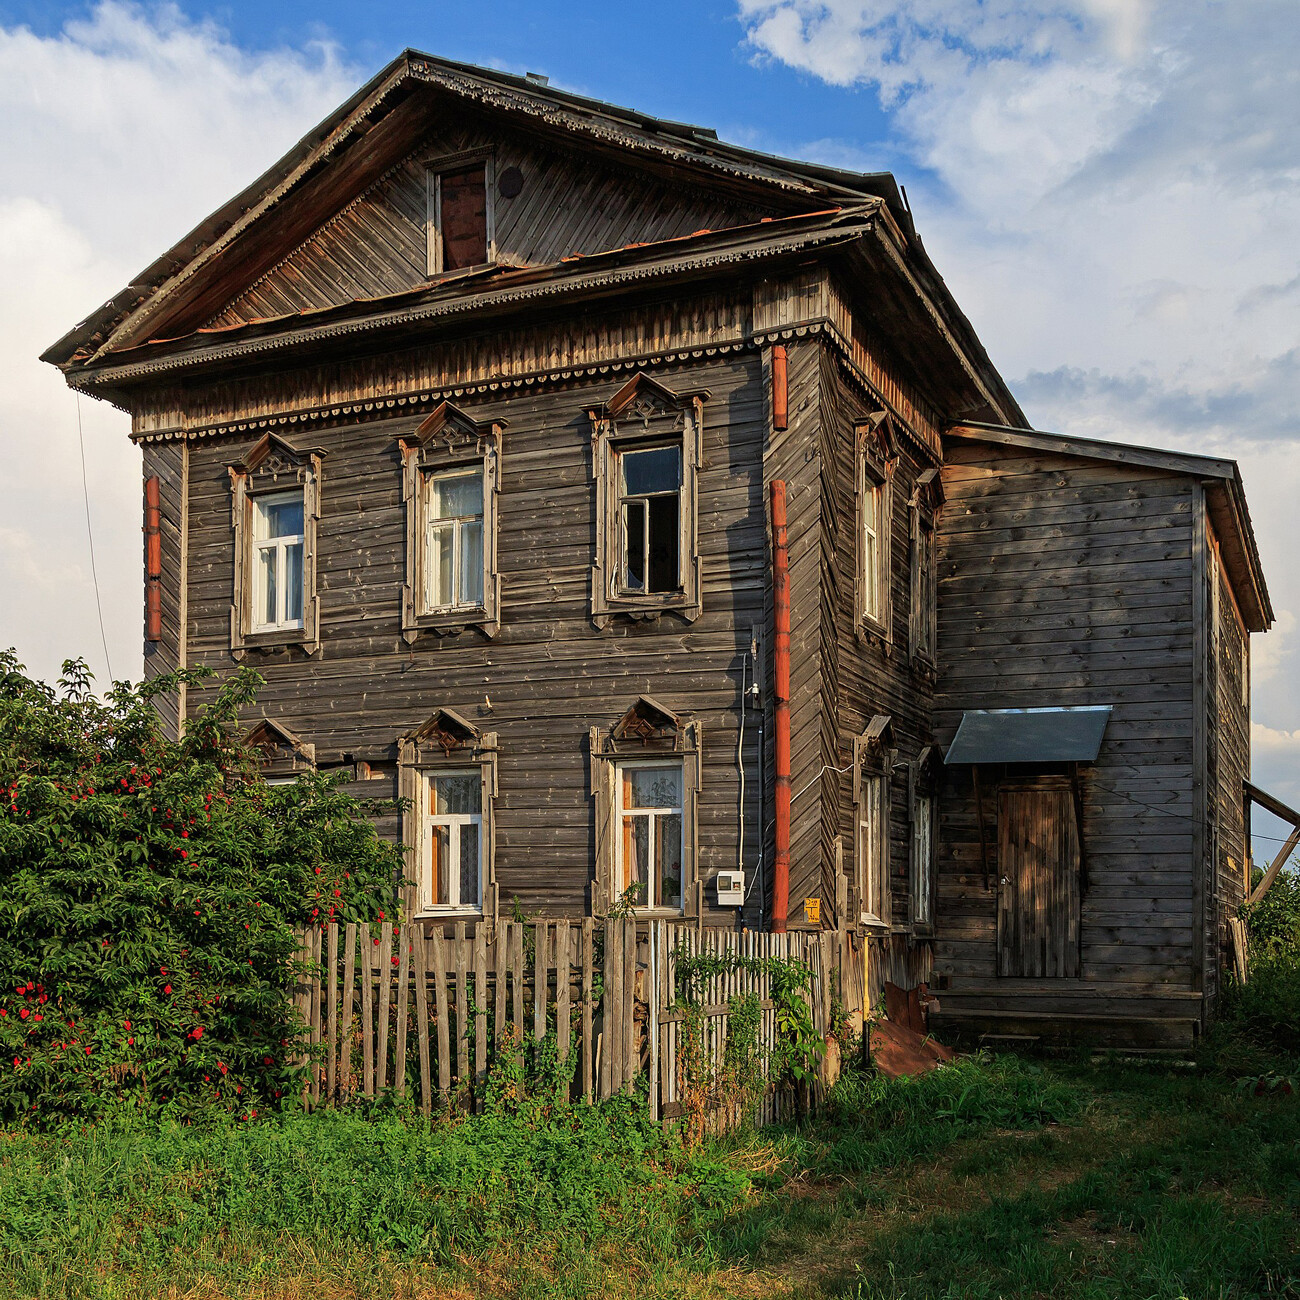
column 461, row 425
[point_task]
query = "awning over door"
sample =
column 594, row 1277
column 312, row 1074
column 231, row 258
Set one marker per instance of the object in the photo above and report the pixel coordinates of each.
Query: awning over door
column 1029, row 735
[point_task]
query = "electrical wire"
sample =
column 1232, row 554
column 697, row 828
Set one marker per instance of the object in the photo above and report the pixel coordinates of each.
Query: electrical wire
column 90, row 537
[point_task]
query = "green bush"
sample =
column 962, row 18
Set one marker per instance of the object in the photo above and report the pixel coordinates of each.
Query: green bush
column 149, row 892
column 1274, row 922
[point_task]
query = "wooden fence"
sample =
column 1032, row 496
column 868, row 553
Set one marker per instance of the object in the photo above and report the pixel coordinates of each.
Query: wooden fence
column 390, row 1009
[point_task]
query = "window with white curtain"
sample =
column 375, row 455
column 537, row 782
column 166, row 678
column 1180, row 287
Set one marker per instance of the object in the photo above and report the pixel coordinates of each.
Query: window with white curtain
column 650, row 844
column 453, row 551
column 278, row 539
column 451, row 875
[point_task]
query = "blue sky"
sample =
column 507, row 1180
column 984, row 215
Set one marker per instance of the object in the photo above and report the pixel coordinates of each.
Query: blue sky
column 1110, row 187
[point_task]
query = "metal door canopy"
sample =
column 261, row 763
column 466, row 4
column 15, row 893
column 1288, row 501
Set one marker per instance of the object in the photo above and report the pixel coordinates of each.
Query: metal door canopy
column 1070, row 735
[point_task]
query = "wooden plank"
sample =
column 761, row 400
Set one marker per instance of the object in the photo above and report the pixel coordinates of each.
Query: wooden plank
column 517, row 981
column 588, row 1047
column 562, row 973
column 403, row 1004
column 349, row 994
column 500, row 949
column 332, row 1024
column 462, row 1009
column 385, row 977
column 611, row 1075
column 367, row 1011
column 422, row 1016
column 540, row 933
column 480, row 1010
column 631, row 1063
column 440, row 1011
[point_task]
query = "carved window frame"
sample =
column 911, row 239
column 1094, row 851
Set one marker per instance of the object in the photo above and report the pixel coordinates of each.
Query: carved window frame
column 648, row 732
column 447, row 742
column 873, row 760
column 434, row 170
column 274, row 466
column 923, row 509
column 875, row 460
column 645, row 412
column 449, row 440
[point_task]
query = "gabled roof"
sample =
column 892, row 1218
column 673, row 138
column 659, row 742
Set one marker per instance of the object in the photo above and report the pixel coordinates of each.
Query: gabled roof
column 1225, row 498
column 372, row 130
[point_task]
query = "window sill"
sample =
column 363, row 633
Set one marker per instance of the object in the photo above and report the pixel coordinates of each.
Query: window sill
column 274, row 640
column 647, row 607
column 448, row 622
column 451, row 914
column 873, row 924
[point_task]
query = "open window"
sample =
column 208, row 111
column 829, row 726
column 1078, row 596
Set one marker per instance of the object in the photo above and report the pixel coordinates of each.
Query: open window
column 451, row 482
column 275, row 508
column 872, row 787
column 923, row 803
column 447, row 773
column 923, row 510
column 645, row 460
column 875, row 462
column 460, row 228
column 645, row 774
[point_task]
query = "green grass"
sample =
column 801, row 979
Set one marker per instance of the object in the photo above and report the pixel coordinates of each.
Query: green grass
column 997, row 1177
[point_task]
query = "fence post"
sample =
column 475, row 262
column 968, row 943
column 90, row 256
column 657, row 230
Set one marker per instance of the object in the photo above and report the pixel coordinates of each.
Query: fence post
column 332, row 1023
column 349, row 994
column 480, row 1011
column 422, row 1017
column 440, row 1010
column 562, row 990
column 403, row 1008
column 588, row 1046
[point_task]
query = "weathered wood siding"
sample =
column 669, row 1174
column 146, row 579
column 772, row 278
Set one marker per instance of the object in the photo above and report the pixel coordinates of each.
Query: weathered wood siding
column 549, row 675
column 167, row 462
column 871, row 676
column 569, row 204
column 1068, row 582
column 1227, row 763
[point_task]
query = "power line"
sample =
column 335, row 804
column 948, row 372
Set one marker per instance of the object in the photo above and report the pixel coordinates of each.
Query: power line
column 90, row 537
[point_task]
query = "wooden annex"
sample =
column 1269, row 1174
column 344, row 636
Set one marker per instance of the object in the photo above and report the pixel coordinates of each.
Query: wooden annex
column 463, row 424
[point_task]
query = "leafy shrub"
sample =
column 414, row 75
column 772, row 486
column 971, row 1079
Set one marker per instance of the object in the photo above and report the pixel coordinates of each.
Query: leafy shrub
column 1265, row 1011
column 1274, row 922
column 149, row 891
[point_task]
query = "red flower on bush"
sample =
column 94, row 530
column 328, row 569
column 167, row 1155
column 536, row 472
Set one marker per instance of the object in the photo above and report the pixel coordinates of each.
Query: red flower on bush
column 221, row 1065
column 167, row 989
column 24, row 1013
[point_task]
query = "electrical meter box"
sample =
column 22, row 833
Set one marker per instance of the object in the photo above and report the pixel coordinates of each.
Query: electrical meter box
column 731, row 888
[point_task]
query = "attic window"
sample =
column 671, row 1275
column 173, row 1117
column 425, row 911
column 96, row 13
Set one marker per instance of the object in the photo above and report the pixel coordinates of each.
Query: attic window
column 460, row 217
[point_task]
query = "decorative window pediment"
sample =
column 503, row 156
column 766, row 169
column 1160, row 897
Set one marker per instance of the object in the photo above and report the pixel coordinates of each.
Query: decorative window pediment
column 447, row 773
column 280, row 753
column 451, row 482
column 646, row 449
column 275, row 510
column 645, row 779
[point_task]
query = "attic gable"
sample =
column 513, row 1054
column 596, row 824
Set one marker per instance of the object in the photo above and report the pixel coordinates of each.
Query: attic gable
column 385, row 122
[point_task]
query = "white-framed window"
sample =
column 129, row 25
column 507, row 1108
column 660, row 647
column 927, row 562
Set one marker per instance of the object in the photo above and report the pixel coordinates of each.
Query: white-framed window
column 873, row 848
column 279, row 536
column 874, row 585
column 453, row 551
column 650, row 840
column 923, row 839
column 650, row 516
column 924, row 595
column 451, row 873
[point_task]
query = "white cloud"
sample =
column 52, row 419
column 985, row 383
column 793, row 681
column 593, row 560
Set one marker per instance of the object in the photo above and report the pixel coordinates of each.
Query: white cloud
column 122, row 131
column 1112, row 190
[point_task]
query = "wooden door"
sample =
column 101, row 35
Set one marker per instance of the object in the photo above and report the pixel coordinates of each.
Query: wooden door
column 1038, row 873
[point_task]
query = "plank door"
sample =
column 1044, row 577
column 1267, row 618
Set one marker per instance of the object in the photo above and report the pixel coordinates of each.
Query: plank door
column 1038, row 880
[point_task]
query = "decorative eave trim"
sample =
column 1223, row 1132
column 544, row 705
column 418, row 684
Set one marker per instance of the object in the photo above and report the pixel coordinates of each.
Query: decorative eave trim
column 446, row 309
column 382, row 408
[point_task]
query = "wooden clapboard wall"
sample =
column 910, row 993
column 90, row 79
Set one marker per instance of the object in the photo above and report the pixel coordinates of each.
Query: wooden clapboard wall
column 389, row 1009
column 549, row 675
column 167, row 462
column 1069, row 582
column 567, row 204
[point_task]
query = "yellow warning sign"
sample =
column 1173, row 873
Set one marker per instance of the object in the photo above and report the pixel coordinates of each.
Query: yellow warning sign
column 812, row 910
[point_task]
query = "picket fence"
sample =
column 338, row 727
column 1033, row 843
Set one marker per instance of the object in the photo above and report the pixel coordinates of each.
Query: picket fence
column 388, row 1007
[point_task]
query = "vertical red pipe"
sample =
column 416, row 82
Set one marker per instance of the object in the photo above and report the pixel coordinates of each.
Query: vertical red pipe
column 152, row 561
column 780, row 390
column 781, row 707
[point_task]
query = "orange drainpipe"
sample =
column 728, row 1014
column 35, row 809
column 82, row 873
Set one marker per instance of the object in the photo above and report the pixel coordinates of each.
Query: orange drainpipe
column 152, row 560
column 781, row 707
column 780, row 390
